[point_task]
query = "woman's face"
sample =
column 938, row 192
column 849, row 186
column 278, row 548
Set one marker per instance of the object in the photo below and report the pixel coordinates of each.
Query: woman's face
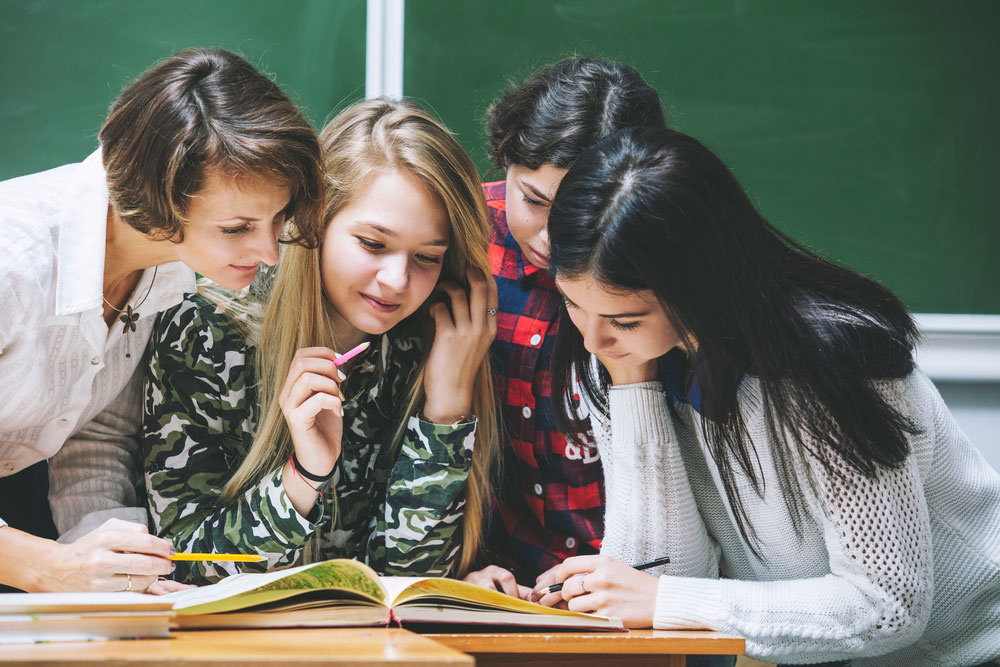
column 383, row 252
column 629, row 327
column 529, row 196
column 233, row 224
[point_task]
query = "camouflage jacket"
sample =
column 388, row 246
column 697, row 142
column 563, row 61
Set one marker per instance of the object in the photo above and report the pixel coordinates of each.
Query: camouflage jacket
column 401, row 515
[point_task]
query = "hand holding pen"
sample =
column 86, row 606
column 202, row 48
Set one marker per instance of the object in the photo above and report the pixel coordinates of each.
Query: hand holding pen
column 554, row 588
column 601, row 585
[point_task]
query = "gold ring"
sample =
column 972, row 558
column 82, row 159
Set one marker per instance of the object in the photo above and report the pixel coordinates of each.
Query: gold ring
column 128, row 578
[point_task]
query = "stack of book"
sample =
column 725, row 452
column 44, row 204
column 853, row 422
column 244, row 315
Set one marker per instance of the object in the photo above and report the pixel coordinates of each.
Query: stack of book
column 49, row 617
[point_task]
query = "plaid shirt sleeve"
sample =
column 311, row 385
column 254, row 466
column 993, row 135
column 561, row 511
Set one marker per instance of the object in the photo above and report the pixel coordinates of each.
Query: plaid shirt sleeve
column 551, row 502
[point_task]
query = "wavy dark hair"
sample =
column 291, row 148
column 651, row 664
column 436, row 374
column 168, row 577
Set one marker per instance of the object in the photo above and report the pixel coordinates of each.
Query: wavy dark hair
column 564, row 108
column 654, row 209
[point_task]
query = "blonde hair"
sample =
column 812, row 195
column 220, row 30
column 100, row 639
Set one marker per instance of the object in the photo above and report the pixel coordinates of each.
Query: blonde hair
column 368, row 137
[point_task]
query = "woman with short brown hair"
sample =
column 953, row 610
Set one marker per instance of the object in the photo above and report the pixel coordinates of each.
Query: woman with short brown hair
column 201, row 162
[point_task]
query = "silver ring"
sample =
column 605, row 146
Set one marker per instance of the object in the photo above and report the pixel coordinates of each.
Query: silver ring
column 583, row 586
column 491, row 311
column 128, row 578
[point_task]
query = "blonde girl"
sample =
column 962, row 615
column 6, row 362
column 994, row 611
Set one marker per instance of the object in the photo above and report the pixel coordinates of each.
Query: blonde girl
column 255, row 441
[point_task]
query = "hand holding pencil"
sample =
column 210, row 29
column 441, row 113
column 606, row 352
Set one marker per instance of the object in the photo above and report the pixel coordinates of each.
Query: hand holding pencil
column 116, row 556
column 601, row 585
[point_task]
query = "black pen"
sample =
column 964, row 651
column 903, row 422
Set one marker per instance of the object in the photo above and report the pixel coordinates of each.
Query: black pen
column 652, row 563
column 554, row 588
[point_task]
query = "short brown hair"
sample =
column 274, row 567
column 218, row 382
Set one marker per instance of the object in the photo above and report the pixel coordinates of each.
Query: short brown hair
column 205, row 108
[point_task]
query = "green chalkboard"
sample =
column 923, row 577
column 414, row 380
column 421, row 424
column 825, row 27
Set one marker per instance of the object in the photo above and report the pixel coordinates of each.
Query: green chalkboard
column 65, row 61
column 868, row 130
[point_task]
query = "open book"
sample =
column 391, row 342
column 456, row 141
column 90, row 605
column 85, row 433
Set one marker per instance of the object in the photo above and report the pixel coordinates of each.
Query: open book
column 345, row 592
column 48, row 617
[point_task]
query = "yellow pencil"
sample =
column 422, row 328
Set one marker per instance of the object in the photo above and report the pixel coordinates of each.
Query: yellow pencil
column 237, row 558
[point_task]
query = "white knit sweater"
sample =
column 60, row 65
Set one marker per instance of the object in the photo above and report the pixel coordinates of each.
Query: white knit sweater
column 905, row 567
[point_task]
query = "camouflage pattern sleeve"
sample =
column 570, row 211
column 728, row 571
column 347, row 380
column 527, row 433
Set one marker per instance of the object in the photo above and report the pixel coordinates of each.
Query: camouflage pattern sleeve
column 419, row 531
column 198, row 423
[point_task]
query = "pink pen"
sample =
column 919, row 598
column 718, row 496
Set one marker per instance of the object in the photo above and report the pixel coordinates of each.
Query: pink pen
column 350, row 354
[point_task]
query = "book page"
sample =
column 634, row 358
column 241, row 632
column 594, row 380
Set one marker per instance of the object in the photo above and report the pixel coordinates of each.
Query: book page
column 250, row 589
column 396, row 585
column 415, row 589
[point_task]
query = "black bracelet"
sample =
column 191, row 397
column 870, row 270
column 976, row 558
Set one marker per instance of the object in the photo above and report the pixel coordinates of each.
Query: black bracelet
column 308, row 475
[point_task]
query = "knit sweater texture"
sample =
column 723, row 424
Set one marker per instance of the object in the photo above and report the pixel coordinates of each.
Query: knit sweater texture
column 903, row 569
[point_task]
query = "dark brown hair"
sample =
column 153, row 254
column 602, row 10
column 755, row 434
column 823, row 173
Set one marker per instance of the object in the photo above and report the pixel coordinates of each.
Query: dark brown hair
column 201, row 109
column 562, row 109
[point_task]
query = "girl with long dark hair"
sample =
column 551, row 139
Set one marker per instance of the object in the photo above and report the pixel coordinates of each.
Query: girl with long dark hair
column 760, row 417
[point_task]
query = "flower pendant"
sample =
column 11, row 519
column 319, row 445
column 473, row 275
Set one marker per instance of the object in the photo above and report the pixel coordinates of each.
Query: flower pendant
column 128, row 317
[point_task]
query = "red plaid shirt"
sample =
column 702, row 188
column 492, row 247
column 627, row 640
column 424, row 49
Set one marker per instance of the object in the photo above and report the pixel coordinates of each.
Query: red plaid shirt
column 552, row 501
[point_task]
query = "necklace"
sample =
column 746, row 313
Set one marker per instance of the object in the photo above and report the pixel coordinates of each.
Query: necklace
column 128, row 315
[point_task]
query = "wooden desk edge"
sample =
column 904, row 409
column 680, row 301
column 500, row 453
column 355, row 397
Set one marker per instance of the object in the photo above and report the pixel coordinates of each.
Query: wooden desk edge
column 639, row 642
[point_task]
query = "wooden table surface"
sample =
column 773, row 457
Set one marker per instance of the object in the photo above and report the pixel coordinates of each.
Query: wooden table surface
column 245, row 648
column 359, row 646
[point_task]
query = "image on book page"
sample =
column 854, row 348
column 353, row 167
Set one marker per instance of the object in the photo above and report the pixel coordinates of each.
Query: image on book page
column 343, row 592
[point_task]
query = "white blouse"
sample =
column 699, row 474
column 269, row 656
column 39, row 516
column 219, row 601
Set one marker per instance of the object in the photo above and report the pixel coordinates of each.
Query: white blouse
column 65, row 380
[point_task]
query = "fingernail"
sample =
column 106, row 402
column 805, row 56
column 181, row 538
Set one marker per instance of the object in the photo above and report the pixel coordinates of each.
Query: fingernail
column 340, row 375
column 336, row 355
column 341, row 410
column 173, row 566
column 172, row 550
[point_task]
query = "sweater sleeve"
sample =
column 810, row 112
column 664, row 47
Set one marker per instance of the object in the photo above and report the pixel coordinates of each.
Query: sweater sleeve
column 425, row 500
column 651, row 511
column 94, row 476
column 197, row 428
column 877, row 595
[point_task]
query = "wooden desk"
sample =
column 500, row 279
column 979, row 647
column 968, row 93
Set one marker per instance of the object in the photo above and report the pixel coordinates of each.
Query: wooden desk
column 543, row 649
column 360, row 646
column 246, row 648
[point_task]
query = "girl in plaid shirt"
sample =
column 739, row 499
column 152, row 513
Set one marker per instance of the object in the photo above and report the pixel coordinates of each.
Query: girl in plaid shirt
column 550, row 500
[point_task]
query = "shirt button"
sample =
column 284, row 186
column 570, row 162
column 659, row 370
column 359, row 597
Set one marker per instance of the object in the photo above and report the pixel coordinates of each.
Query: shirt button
column 9, row 466
column 570, row 542
column 538, row 489
column 526, row 411
column 535, row 340
column 95, row 361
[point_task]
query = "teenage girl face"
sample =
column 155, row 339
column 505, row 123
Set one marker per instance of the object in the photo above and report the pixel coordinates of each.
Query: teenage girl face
column 529, row 195
column 382, row 253
column 628, row 328
column 233, row 225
